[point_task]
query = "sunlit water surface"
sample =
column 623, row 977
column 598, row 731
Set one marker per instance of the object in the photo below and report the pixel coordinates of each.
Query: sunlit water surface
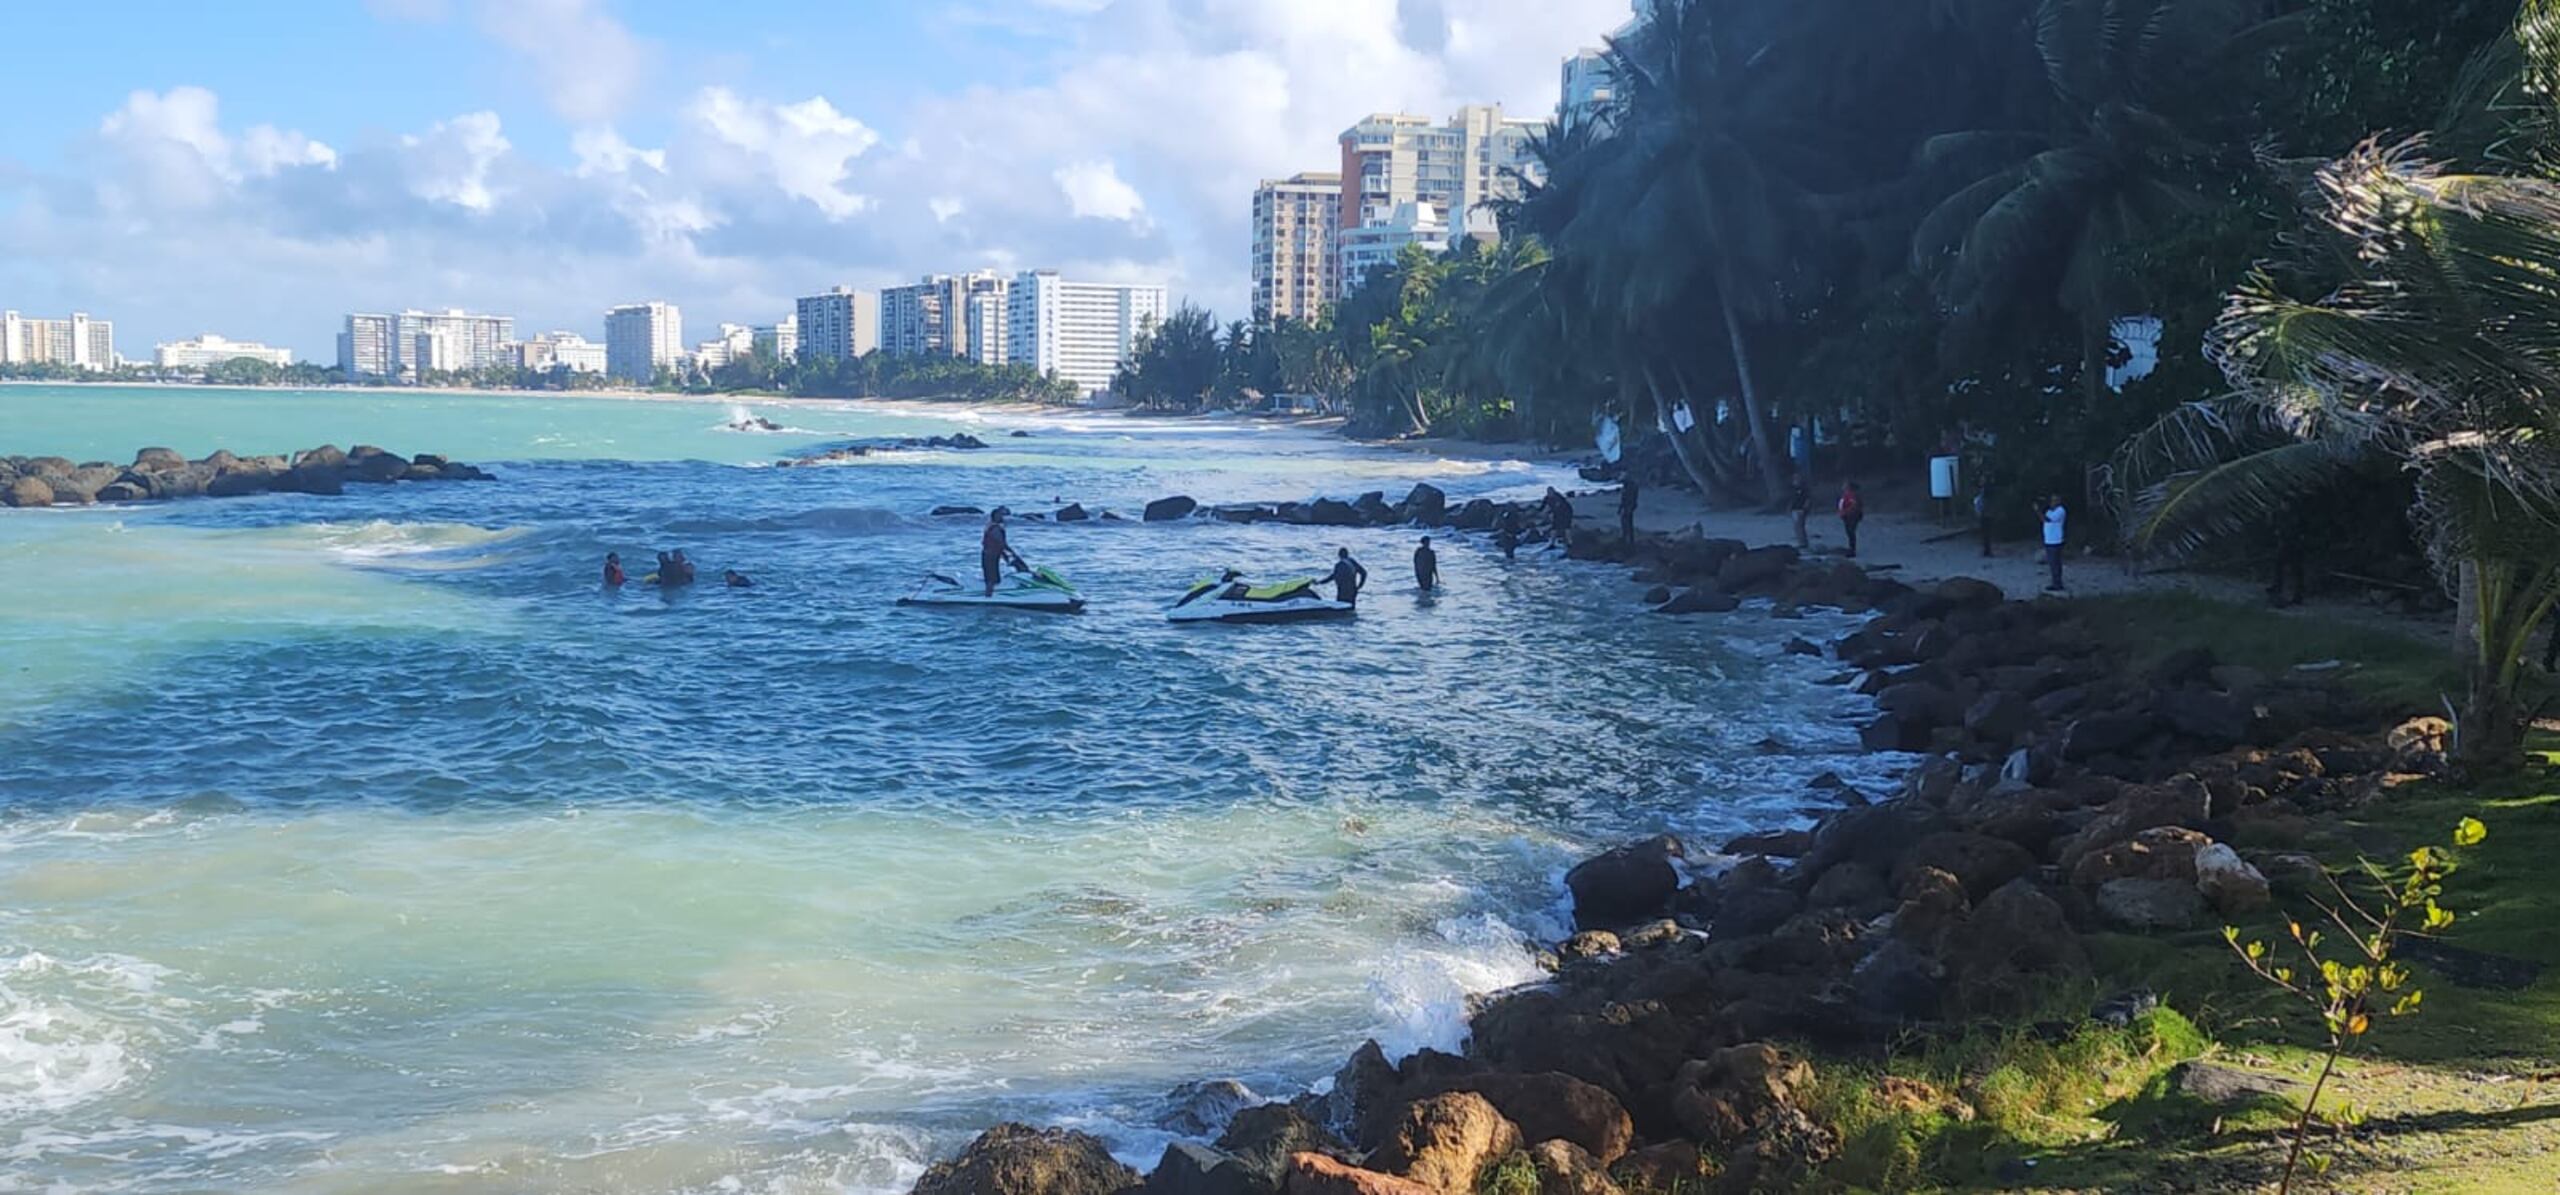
column 363, row 844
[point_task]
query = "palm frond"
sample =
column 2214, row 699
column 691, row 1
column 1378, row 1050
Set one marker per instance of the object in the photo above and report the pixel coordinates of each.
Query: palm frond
column 2182, row 515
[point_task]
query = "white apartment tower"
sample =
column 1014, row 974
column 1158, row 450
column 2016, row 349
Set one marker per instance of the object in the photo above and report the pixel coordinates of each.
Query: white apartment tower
column 1080, row 331
column 932, row 316
column 734, row 342
column 990, row 321
column 1294, row 265
column 389, row 345
column 839, row 325
column 78, row 342
column 642, row 338
column 1457, row 166
column 560, row 350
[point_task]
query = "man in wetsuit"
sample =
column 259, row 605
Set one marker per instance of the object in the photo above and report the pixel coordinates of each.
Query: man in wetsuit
column 1627, row 508
column 1507, row 537
column 1348, row 577
column 683, row 567
column 994, row 552
column 1426, row 567
column 1559, row 517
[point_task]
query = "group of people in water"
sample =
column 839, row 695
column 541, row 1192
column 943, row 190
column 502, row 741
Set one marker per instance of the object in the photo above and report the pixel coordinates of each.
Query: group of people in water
column 674, row 572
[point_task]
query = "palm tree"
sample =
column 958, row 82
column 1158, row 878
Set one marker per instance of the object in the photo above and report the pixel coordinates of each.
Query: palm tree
column 2439, row 351
column 2057, row 207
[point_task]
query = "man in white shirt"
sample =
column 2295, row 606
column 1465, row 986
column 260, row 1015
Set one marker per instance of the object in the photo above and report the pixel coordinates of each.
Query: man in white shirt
column 2053, row 520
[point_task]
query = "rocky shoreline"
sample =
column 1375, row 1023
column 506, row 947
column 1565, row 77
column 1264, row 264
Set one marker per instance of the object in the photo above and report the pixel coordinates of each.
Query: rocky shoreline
column 160, row 474
column 2055, row 790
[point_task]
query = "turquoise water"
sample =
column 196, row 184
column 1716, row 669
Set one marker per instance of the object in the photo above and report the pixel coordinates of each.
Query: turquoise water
column 362, row 844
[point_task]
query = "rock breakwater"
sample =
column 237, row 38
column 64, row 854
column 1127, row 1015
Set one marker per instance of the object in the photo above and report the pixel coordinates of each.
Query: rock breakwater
column 159, row 474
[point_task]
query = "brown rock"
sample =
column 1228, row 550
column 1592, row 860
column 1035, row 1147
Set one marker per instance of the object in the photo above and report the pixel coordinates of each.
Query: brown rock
column 27, row 491
column 1263, row 1138
column 1722, row 1098
column 1015, row 1159
column 2159, row 853
column 1776, row 844
column 1564, row 1169
column 1447, row 1141
column 1556, row 1106
column 1978, row 861
column 1670, row 1166
column 1316, row 1174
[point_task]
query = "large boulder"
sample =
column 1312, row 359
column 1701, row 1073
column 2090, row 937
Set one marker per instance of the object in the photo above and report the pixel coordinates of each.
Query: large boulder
column 124, row 491
column 27, row 491
column 1968, row 593
column 1316, row 1174
column 1191, row 1169
column 1373, row 509
column 1624, row 885
column 2138, row 904
column 1073, row 512
column 2157, row 853
column 1565, row 1168
column 1704, row 600
column 1755, row 567
column 1723, row 1097
column 1999, row 717
column 2216, row 720
column 1016, row 1159
column 1479, row 514
column 2228, row 881
column 2108, row 732
column 152, row 460
column 1166, row 510
column 1979, row 862
column 1333, row 512
column 1426, row 504
column 1204, row 1107
column 1263, row 1138
column 1447, row 1141
column 1554, row 1106
column 326, row 456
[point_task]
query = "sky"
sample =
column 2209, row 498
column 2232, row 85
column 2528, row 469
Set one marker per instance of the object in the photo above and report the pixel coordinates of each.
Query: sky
column 260, row 169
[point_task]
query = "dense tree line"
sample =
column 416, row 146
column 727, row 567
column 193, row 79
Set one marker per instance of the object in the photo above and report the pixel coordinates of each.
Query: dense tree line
column 872, row 375
column 1189, row 363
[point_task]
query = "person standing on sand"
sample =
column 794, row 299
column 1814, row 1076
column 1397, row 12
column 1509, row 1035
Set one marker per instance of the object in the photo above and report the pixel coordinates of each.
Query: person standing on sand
column 1982, row 515
column 1802, row 499
column 2054, row 516
column 1627, row 508
column 1426, row 567
column 1853, row 511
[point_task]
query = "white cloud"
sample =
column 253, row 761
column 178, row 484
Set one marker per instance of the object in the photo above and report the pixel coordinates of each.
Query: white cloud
column 179, row 156
column 803, row 148
column 1093, row 189
column 451, row 161
column 589, row 64
column 946, row 208
column 603, row 151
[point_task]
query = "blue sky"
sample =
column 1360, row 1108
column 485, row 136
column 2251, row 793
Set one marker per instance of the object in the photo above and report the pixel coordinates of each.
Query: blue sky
column 258, row 169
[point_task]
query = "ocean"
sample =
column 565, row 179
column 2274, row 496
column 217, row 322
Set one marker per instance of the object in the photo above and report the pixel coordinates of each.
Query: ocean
column 364, row 843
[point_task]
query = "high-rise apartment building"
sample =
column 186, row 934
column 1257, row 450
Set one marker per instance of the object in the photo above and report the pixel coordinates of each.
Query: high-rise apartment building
column 210, row 350
column 990, row 321
column 781, row 341
column 734, row 343
column 839, row 325
column 1295, row 271
column 1080, row 331
column 560, row 350
column 1457, row 166
column 364, row 347
column 642, row 338
column 1376, row 244
column 1591, row 83
column 79, row 342
column 932, row 316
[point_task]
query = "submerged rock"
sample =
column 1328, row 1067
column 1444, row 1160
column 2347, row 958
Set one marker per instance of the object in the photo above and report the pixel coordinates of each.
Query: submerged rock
column 1016, row 1159
column 1166, row 510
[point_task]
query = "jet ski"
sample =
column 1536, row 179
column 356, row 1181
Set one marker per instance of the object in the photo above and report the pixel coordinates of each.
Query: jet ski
column 1039, row 589
column 1231, row 598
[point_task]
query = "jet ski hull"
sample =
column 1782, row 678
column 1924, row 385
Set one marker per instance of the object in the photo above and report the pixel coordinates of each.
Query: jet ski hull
column 1262, row 613
column 1043, row 603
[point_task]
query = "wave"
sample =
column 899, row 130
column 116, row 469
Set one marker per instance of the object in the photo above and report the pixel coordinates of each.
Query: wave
column 830, row 520
column 54, row 1054
column 382, row 541
column 747, row 422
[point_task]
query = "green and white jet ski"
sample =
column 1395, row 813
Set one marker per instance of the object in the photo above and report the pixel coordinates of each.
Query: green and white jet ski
column 1231, row 598
column 1039, row 589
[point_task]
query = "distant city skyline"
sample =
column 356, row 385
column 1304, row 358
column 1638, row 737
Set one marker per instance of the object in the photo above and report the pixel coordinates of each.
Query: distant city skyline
column 546, row 158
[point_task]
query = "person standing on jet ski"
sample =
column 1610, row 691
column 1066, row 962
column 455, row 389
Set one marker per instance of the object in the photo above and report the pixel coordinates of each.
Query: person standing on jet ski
column 1348, row 577
column 994, row 552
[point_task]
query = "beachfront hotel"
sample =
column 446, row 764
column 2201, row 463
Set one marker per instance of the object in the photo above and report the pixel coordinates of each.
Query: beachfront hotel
column 1080, row 331
column 931, row 317
column 209, row 350
column 79, row 342
column 841, row 324
column 1295, row 220
column 1378, row 243
column 391, row 344
column 560, row 350
column 642, row 338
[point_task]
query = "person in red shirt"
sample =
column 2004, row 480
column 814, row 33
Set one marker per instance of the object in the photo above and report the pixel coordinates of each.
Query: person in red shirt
column 994, row 551
column 1853, row 511
column 613, row 570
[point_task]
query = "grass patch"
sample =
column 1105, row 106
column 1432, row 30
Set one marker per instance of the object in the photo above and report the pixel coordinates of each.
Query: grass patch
column 2398, row 670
